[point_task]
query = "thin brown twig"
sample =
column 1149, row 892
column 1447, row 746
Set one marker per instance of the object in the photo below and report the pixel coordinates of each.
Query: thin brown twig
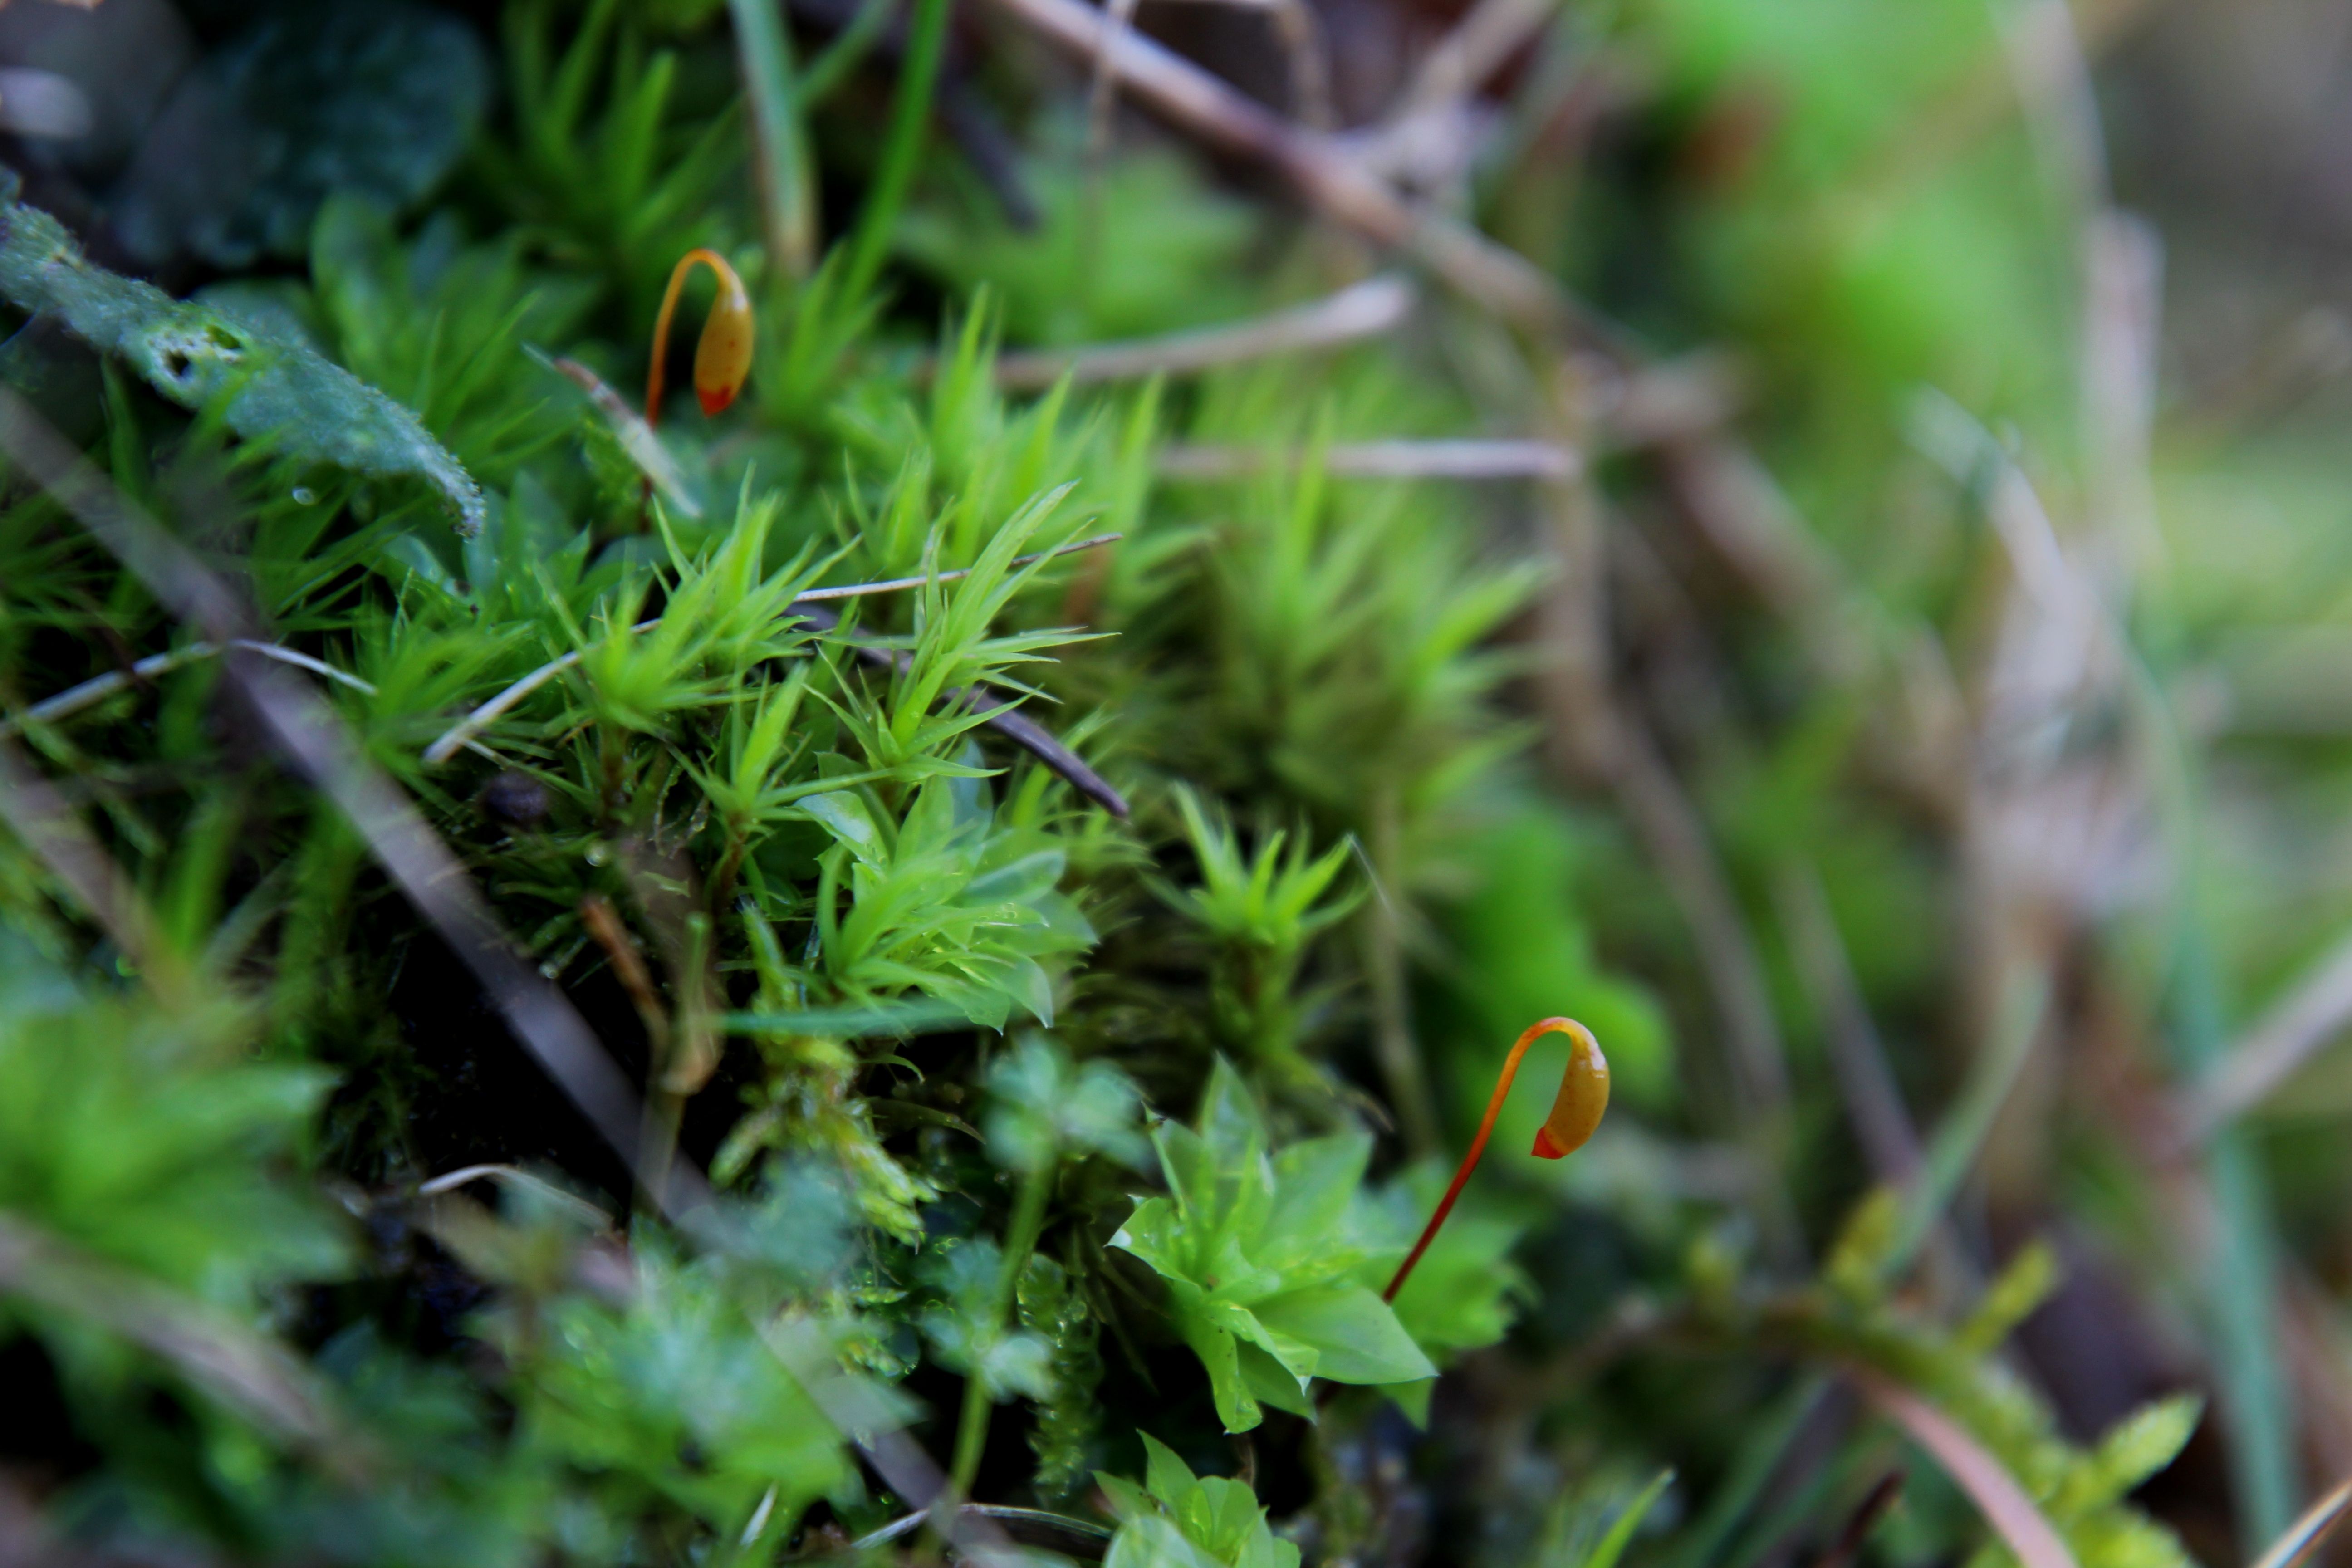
column 1472, row 51
column 39, row 816
column 1360, row 311
column 1881, row 1124
column 253, row 1375
column 99, row 688
column 1495, row 276
column 638, row 438
column 1862, row 1522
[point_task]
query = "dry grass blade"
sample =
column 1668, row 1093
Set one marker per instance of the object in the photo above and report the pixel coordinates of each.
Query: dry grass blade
column 32, row 808
column 1495, row 277
column 1866, row 1083
column 1475, row 48
column 1461, row 459
column 1360, row 311
column 2290, row 1035
column 99, row 688
column 252, row 1374
column 1974, row 1470
column 2307, row 1534
column 636, row 438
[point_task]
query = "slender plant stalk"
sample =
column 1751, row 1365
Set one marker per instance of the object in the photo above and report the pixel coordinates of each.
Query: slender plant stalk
column 911, row 118
column 1583, row 1096
column 1020, row 1241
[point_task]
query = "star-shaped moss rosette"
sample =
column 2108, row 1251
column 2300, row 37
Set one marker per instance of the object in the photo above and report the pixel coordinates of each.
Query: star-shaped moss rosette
column 1260, row 1253
column 1177, row 1520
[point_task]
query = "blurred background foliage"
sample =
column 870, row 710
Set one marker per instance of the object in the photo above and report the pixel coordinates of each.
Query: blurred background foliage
column 1810, row 537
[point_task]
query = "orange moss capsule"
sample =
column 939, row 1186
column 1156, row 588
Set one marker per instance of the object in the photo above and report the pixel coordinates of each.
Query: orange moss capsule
column 1575, row 1111
column 1583, row 1092
column 722, row 359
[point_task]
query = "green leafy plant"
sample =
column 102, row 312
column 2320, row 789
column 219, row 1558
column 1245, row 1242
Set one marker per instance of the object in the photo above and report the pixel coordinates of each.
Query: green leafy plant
column 1177, row 1520
column 1259, row 1251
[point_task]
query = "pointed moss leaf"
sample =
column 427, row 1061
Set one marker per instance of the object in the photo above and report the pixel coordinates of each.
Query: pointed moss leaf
column 373, row 99
column 1611, row 1546
column 1165, row 1477
column 1151, row 1541
column 2023, row 1284
column 1221, row 1358
column 2143, row 1443
column 272, row 389
column 146, row 1139
column 844, row 816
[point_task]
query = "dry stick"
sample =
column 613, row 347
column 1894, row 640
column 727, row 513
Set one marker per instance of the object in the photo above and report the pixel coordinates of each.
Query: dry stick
column 1360, row 310
column 2289, row 1035
column 2307, row 1534
column 636, row 438
column 1491, row 274
column 39, row 816
column 1472, row 49
column 99, row 688
column 1670, row 823
column 435, row 883
column 1881, row 1123
column 250, row 1373
column 1447, row 459
column 1862, row 1522
column 1007, row 721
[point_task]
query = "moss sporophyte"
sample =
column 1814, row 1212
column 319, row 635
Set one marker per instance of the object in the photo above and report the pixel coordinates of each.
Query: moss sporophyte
column 1575, row 1110
column 723, row 356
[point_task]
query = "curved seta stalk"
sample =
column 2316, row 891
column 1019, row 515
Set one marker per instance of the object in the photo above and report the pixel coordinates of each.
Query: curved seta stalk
column 722, row 359
column 1575, row 1111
